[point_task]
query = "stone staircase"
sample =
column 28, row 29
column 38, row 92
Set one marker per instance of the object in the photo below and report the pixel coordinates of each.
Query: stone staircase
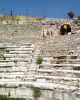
column 16, row 61
column 18, row 66
column 61, row 70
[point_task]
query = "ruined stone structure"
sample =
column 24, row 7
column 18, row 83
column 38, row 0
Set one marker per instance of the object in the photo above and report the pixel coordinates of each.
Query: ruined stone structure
column 19, row 72
column 58, row 77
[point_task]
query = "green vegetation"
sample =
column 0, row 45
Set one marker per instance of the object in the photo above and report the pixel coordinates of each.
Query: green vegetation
column 4, row 97
column 36, row 93
column 2, row 51
column 2, row 57
column 39, row 60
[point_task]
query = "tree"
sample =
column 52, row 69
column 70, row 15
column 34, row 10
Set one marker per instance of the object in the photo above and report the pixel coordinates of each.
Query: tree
column 71, row 14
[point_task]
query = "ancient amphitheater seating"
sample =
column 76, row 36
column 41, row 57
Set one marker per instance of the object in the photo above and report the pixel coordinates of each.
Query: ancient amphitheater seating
column 17, row 62
column 58, row 71
column 62, row 72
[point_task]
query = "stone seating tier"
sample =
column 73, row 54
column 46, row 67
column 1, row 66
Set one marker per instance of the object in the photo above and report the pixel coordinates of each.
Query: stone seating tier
column 18, row 55
column 19, row 52
column 14, row 69
column 19, row 59
column 22, row 72
column 7, row 64
column 16, row 62
column 13, row 60
column 48, row 86
column 58, row 78
column 54, row 65
column 58, row 70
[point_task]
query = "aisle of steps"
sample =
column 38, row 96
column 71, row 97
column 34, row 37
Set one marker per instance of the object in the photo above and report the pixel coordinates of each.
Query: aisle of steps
column 15, row 62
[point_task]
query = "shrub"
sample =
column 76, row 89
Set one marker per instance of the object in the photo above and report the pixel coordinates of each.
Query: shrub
column 36, row 92
column 39, row 60
column 4, row 97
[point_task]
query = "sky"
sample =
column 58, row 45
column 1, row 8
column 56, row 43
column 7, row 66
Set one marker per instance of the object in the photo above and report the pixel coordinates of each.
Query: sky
column 41, row 8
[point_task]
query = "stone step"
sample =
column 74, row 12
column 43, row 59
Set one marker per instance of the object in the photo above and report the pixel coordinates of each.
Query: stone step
column 65, row 56
column 58, row 65
column 74, row 60
column 58, row 70
column 11, row 69
column 29, row 79
column 12, row 72
column 48, row 86
column 12, row 76
column 20, row 59
column 60, row 56
column 65, row 61
column 19, row 49
column 17, row 77
column 8, row 80
column 57, row 78
column 6, row 64
column 8, row 45
column 18, row 55
column 20, row 52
